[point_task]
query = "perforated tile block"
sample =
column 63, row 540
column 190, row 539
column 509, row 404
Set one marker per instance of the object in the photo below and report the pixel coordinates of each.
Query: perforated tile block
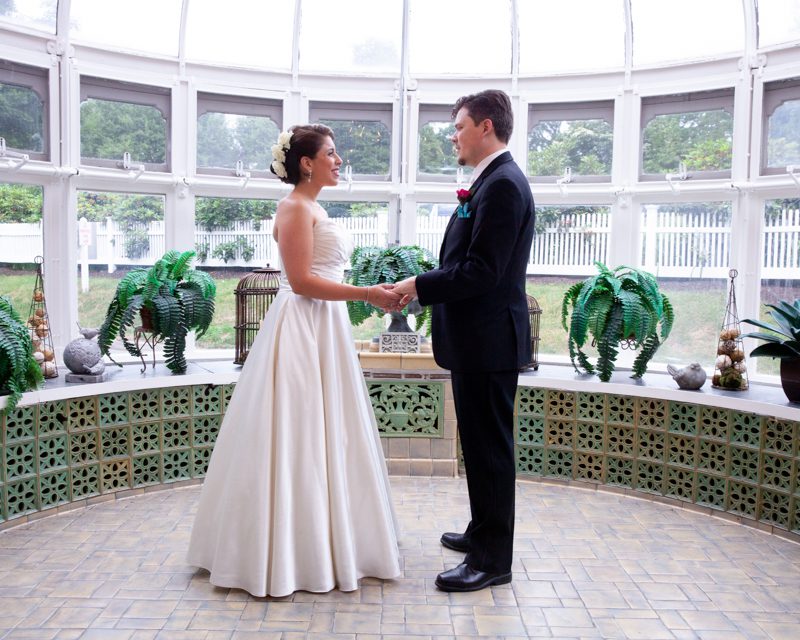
column 591, row 407
column 559, row 433
column 653, row 414
column 115, row 442
column 588, row 466
column 202, row 456
column 408, row 409
column 177, row 433
column 20, row 424
column 589, row 436
column 113, row 409
column 683, row 418
column 207, row 399
column 227, row 393
column 711, row 490
column 177, row 401
column 205, row 430
column 145, row 406
column 776, row 472
column 115, row 475
column 146, row 469
column 530, row 460
column 177, row 465
column 531, row 401
column 651, row 445
column 82, row 413
column 680, row 483
column 3, row 513
column 714, row 423
column 682, row 450
column 713, row 456
column 54, row 489
column 20, row 459
column 795, row 514
column 53, row 417
column 85, row 481
column 558, row 463
column 21, row 497
column 84, row 447
column 774, row 507
column 743, row 498
column 560, row 404
column 746, row 428
column 146, row 437
column 745, row 463
column 780, row 436
column 53, row 452
column 621, row 410
column 530, row 430
column 619, row 471
column 621, row 440
column 650, row 477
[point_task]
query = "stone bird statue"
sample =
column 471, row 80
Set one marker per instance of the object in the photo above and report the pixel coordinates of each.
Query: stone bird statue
column 690, row 377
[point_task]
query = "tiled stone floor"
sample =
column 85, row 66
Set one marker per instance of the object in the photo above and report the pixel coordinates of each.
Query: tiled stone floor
column 589, row 564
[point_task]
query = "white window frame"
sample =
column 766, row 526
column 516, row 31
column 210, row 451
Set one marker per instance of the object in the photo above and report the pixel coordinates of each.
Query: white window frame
column 433, row 113
column 775, row 94
column 35, row 79
column 145, row 95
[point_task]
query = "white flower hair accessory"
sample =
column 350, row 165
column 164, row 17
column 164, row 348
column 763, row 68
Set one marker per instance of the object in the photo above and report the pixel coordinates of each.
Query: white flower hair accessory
column 279, row 152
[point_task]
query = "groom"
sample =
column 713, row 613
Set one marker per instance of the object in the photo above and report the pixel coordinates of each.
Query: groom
column 481, row 330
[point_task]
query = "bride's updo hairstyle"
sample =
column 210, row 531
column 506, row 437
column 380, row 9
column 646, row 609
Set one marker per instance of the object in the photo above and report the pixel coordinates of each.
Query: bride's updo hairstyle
column 302, row 140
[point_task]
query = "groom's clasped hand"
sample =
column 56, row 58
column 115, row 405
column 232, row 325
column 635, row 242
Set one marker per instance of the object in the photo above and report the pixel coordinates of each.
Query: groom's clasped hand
column 395, row 297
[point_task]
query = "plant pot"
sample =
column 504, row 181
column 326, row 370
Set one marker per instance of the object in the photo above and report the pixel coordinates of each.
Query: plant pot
column 790, row 378
column 147, row 319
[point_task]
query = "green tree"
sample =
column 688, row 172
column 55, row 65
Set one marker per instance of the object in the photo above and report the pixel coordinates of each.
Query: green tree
column 783, row 142
column 110, row 128
column 436, row 154
column 255, row 136
column 20, row 203
column 364, row 144
column 701, row 139
column 215, row 145
column 221, row 213
column 585, row 146
column 21, row 117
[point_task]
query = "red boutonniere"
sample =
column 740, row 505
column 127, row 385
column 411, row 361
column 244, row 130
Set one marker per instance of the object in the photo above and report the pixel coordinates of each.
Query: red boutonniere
column 463, row 195
column 463, row 210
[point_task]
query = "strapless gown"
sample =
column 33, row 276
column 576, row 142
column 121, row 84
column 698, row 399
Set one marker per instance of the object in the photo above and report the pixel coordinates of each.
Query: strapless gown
column 297, row 496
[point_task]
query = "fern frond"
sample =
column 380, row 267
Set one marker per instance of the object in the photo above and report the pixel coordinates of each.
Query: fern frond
column 646, row 352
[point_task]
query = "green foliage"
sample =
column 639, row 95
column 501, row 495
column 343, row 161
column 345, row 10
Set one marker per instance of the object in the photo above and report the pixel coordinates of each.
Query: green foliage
column 179, row 299
column 19, row 372
column 783, row 139
column 20, row 202
column 110, row 128
column 436, row 154
column 21, row 118
column 583, row 145
column 701, row 139
column 378, row 265
column 784, row 341
column 221, row 213
column 225, row 138
column 364, row 144
column 623, row 304
column 239, row 248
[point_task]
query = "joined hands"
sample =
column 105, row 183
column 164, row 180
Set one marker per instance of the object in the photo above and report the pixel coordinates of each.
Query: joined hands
column 393, row 297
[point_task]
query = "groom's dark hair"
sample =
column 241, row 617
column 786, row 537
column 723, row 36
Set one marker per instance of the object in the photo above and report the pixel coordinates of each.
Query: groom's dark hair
column 493, row 105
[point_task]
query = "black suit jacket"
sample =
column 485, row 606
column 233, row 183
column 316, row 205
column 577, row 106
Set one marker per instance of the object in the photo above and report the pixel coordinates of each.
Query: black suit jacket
column 480, row 313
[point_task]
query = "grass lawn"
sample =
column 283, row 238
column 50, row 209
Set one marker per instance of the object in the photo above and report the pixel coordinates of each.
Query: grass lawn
column 699, row 308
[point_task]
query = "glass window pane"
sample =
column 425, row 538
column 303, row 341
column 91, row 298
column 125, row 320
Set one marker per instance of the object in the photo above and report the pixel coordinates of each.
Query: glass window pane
column 34, row 14
column 151, row 26
column 110, row 128
column 443, row 37
column 703, row 29
column 569, row 239
column 225, row 138
column 436, row 151
column 585, row 146
column 780, row 268
column 125, row 231
column 783, row 135
column 700, row 139
column 547, row 36
column 687, row 247
column 432, row 219
column 20, row 242
column 262, row 36
column 367, row 222
column 363, row 144
column 376, row 49
column 778, row 21
column 22, row 118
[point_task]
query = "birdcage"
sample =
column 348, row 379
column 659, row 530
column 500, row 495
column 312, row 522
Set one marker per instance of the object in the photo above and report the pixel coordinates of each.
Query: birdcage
column 534, row 313
column 254, row 294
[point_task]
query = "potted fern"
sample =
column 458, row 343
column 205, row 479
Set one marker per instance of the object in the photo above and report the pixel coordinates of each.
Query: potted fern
column 19, row 371
column 171, row 299
column 379, row 265
column 623, row 305
column 783, row 343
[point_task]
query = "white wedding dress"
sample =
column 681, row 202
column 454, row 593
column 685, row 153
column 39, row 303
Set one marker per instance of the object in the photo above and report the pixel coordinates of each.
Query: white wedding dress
column 296, row 496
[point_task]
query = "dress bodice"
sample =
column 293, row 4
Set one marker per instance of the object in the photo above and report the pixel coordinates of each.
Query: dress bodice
column 331, row 252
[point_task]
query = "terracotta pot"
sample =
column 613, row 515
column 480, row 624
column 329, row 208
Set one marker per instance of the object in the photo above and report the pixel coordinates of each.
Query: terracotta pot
column 790, row 378
column 147, row 319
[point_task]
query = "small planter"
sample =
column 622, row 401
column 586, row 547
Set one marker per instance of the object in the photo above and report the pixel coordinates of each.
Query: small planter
column 146, row 315
column 790, row 378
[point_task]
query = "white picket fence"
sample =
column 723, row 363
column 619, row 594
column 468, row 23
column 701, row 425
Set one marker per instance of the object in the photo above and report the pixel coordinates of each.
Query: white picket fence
column 673, row 244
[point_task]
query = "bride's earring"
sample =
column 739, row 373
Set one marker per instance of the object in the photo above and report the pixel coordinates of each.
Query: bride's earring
column 309, row 176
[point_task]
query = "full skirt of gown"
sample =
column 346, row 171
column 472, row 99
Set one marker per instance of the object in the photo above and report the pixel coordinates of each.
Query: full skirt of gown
column 297, row 496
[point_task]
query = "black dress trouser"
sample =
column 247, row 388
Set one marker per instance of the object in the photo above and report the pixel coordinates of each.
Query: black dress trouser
column 484, row 405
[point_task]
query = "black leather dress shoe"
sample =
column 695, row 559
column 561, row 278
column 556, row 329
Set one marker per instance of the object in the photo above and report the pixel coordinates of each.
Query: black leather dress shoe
column 455, row 541
column 465, row 578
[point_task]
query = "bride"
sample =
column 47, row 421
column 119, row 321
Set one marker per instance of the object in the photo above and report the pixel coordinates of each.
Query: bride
column 296, row 496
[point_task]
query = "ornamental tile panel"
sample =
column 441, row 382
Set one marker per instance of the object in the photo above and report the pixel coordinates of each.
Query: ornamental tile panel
column 53, row 417
column 531, row 401
column 742, row 498
column 560, row 404
column 714, row 423
column 21, row 497
column 115, row 442
column 711, row 490
column 651, row 445
column 680, row 483
column 653, row 414
column 682, row 450
column 780, row 436
column 530, row 460
column 621, row 409
column 85, row 481
column 745, row 463
column 620, row 471
column 145, row 406
column 146, row 437
column 20, row 460
column 776, row 472
column 177, row 465
column 3, row 513
column 558, row 463
column 589, row 436
column 205, row 430
column 53, row 452
column 774, row 507
column 20, row 424
column 146, row 469
column 713, row 456
column 54, row 489
column 591, row 407
column 746, row 428
column 683, row 418
column 177, row 433
column 621, row 440
column 115, row 475
column 202, row 456
column 82, row 413
column 227, row 392
column 407, row 409
column 530, row 430
column 84, row 447
column 650, row 477
column 588, row 466
column 559, row 433
column 113, row 409
column 207, row 399
column 177, row 401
